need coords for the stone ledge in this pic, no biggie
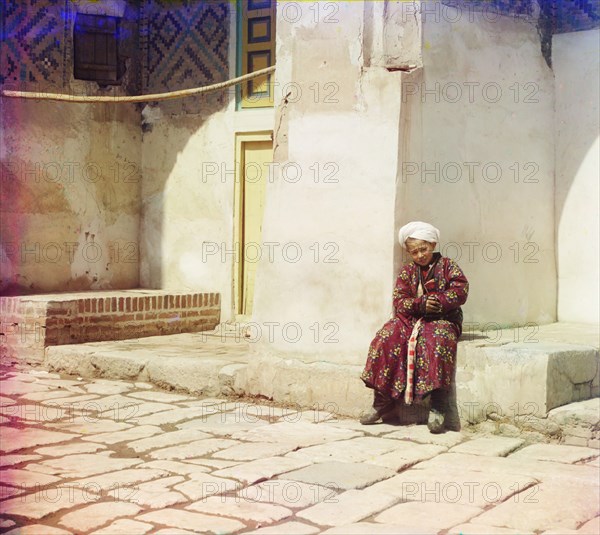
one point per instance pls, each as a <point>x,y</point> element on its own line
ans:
<point>527,371</point>
<point>33,322</point>
<point>510,387</point>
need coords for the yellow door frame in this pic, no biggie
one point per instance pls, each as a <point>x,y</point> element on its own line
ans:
<point>238,237</point>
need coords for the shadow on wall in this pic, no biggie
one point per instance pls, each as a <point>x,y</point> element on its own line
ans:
<point>187,46</point>
<point>174,198</point>
<point>70,181</point>
<point>74,188</point>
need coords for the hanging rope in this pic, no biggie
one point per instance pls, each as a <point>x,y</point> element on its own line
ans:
<point>139,98</point>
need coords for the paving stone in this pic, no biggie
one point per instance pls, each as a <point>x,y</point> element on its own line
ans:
<point>27,479</point>
<point>6,524</point>
<point>47,501</point>
<point>478,529</point>
<point>560,531</point>
<point>168,439</point>
<point>355,425</point>
<point>453,486</point>
<point>90,425</point>
<point>43,374</point>
<point>9,492</point>
<point>163,397</point>
<point>547,506</point>
<point>11,460</point>
<point>156,494</point>
<point>591,527</point>
<point>203,485</point>
<point>369,528</point>
<point>556,453</point>
<point>268,412</point>
<point>72,401</point>
<point>315,416</point>
<point>133,413</point>
<point>4,401</point>
<point>144,386</point>
<point>254,471</point>
<point>125,526</point>
<point>349,507</point>
<point>254,450</point>
<point>353,450</point>
<point>225,424</point>
<point>96,515</point>
<point>193,449</point>
<point>176,467</point>
<point>213,464</point>
<point>15,439</point>
<point>173,531</point>
<point>420,433</point>
<point>344,476</point>
<point>594,462</point>
<point>108,389</point>
<point>37,413</point>
<point>37,529</point>
<point>540,470</point>
<point>288,528</point>
<point>301,433</point>
<point>431,516</point>
<point>245,510</point>
<point>406,454</point>
<point>87,464</point>
<point>70,449</point>
<point>42,396</point>
<point>120,485</point>
<point>172,416</point>
<point>57,382</point>
<point>18,388</point>
<point>115,406</point>
<point>4,420</point>
<point>135,433</point>
<point>489,446</point>
<point>190,520</point>
<point>294,494</point>
<point>213,405</point>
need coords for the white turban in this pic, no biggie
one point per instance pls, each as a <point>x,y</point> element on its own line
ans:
<point>419,231</point>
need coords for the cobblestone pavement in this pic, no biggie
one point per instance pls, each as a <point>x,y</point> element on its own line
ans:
<point>114,457</point>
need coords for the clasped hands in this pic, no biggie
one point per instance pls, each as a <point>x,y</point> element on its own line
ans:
<point>433,305</point>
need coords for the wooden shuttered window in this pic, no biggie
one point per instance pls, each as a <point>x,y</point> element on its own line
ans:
<point>96,50</point>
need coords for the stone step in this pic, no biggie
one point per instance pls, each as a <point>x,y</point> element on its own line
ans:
<point>518,374</point>
<point>34,322</point>
<point>216,364</point>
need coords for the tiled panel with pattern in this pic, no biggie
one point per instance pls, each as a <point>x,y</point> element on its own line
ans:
<point>564,15</point>
<point>34,35</point>
<point>185,43</point>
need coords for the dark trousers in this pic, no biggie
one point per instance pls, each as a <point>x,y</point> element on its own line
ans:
<point>439,401</point>
<point>382,403</point>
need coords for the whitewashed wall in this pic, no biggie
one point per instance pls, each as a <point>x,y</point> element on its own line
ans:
<point>480,164</point>
<point>576,68</point>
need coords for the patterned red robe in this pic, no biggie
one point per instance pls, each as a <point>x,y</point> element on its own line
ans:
<point>385,370</point>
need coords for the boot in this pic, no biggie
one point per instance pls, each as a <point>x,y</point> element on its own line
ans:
<point>437,413</point>
<point>381,406</point>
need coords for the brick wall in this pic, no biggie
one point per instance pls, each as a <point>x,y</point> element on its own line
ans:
<point>29,324</point>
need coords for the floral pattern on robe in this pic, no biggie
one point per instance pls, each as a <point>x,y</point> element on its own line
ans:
<point>435,359</point>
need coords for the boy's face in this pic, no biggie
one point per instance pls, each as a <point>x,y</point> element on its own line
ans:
<point>420,251</point>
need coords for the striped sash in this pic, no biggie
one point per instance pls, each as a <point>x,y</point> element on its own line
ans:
<point>410,362</point>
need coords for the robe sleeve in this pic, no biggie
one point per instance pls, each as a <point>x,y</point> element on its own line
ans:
<point>404,299</point>
<point>457,290</point>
